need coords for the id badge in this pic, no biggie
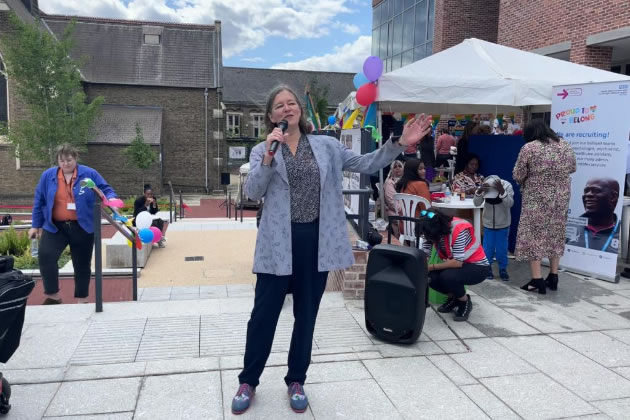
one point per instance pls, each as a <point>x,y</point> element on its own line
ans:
<point>72,206</point>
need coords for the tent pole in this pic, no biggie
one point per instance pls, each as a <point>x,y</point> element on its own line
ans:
<point>381,195</point>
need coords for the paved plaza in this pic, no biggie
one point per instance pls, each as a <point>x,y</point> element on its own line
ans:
<point>176,354</point>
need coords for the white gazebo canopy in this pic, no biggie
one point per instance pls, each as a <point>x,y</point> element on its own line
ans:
<point>481,77</point>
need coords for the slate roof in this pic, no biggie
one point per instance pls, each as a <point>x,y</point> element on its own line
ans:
<point>114,51</point>
<point>251,86</point>
<point>117,124</point>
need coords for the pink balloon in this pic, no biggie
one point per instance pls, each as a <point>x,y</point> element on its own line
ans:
<point>366,94</point>
<point>157,234</point>
<point>373,68</point>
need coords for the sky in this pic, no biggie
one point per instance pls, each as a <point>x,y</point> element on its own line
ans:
<point>325,35</point>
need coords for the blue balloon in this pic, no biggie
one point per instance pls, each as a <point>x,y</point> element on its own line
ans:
<point>331,120</point>
<point>146,236</point>
<point>359,80</point>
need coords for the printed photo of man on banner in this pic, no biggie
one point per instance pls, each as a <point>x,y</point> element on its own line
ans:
<point>592,118</point>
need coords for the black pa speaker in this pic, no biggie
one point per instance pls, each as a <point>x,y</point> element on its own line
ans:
<point>225,178</point>
<point>396,293</point>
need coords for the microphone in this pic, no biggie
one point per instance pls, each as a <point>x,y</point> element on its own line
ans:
<point>283,125</point>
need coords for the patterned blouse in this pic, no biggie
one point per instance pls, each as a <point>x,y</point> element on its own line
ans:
<point>463,182</point>
<point>304,181</point>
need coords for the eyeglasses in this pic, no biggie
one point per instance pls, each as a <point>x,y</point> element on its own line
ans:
<point>428,214</point>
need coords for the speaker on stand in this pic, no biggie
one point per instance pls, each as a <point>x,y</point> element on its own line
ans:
<point>225,181</point>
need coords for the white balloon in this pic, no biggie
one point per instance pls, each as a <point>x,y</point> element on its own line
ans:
<point>144,220</point>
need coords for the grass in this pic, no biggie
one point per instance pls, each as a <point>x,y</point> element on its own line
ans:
<point>18,245</point>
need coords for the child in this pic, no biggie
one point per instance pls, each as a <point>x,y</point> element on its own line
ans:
<point>498,195</point>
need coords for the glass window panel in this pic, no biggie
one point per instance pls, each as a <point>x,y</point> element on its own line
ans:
<point>419,53</point>
<point>407,57</point>
<point>398,7</point>
<point>388,65</point>
<point>429,48</point>
<point>383,42</point>
<point>390,39</point>
<point>398,33</point>
<point>408,20</point>
<point>431,20</point>
<point>376,17</point>
<point>421,22</point>
<point>409,3</point>
<point>396,62</point>
<point>384,11</point>
<point>375,41</point>
<point>390,11</point>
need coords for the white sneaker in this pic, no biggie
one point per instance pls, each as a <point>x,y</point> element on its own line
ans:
<point>162,243</point>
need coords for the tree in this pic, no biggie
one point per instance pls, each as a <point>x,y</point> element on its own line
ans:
<point>48,83</point>
<point>319,94</point>
<point>139,154</point>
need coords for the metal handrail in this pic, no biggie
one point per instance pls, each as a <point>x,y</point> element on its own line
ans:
<point>170,204</point>
<point>364,209</point>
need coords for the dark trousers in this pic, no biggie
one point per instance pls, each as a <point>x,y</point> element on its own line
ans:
<point>52,245</point>
<point>307,286</point>
<point>442,160</point>
<point>158,223</point>
<point>452,280</point>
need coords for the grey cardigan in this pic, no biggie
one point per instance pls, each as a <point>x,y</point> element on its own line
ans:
<point>273,243</point>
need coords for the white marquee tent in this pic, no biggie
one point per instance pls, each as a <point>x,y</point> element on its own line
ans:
<point>481,77</point>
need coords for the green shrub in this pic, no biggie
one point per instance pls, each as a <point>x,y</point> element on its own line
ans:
<point>14,243</point>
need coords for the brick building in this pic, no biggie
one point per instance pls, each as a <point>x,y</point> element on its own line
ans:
<point>150,73</point>
<point>594,33</point>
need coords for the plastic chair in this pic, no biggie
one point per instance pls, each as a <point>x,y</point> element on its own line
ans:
<point>409,203</point>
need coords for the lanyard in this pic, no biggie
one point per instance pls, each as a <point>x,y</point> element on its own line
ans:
<point>610,237</point>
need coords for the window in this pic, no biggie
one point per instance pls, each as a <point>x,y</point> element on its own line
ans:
<point>258,125</point>
<point>233,125</point>
<point>152,39</point>
<point>375,41</point>
<point>4,98</point>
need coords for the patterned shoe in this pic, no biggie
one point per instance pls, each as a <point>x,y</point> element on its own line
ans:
<point>448,306</point>
<point>298,398</point>
<point>242,399</point>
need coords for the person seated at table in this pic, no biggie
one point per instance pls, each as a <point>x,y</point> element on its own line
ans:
<point>394,175</point>
<point>464,260</point>
<point>469,180</point>
<point>413,181</point>
<point>147,202</point>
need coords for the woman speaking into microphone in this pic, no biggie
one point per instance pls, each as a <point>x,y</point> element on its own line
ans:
<point>302,234</point>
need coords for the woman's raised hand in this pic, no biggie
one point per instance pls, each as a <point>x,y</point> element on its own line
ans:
<point>415,129</point>
<point>275,135</point>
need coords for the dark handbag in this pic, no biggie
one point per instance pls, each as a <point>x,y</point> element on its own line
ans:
<point>373,237</point>
<point>6,263</point>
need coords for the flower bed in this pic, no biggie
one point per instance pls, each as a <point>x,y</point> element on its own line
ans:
<point>18,245</point>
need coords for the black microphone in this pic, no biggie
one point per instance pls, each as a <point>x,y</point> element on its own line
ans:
<point>283,125</point>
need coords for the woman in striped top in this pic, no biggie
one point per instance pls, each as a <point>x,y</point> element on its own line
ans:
<point>464,263</point>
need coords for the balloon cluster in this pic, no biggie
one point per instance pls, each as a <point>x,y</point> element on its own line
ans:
<point>366,82</point>
<point>147,233</point>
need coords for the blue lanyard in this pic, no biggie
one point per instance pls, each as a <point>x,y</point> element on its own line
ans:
<point>610,237</point>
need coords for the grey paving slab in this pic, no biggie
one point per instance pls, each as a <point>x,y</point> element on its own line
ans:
<point>172,366</point>
<point>95,397</point>
<point>223,334</point>
<point>617,409</point>
<point>521,393</point>
<point>34,376</point>
<point>240,290</point>
<point>621,335</point>
<point>592,315</point>
<point>153,291</point>
<point>170,338</point>
<point>154,298</point>
<point>234,305</point>
<point>613,302</point>
<point>589,380</point>
<point>185,297</point>
<point>51,314</point>
<point>343,357</point>
<point>182,396</point>
<point>602,348</point>
<point>127,310</point>
<point>623,371</point>
<point>60,340</point>
<point>419,390</point>
<point>335,350</point>
<point>488,402</point>
<point>369,355</point>
<point>336,372</point>
<point>489,358</point>
<point>114,341</point>
<point>114,370</point>
<point>332,300</point>
<point>341,400</point>
<point>452,346</point>
<point>437,330</point>
<point>452,370</point>
<point>336,327</point>
<point>214,291</point>
<point>493,321</point>
<point>271,401</point>
<point>30,401</point>
<point>185,290</point>
<point>545,318</point>
<point>109,416</point>
<point>231,362</point>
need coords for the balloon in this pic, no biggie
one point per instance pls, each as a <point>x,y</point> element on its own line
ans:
<point>365,95</point>
<point>144,220</point>
<point>331,120</point>
<point>146,235</point>
<point>373,68</point>
<point>359,80</point>
<point>116,202</point>
<point>157,234</point>
<point>129,244</point>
